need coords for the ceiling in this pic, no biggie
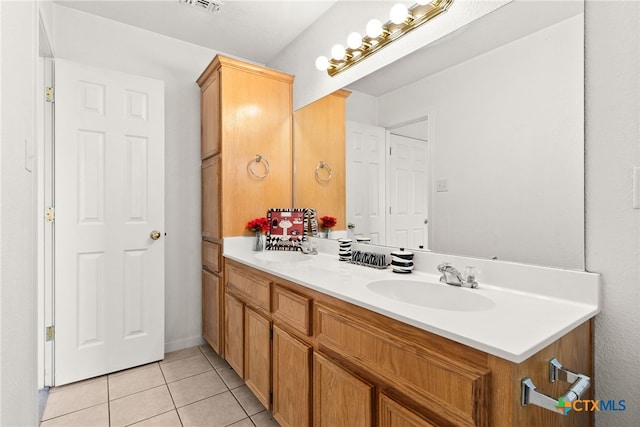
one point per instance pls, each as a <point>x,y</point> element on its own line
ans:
<point>254,30</point>
<point>259,30</point>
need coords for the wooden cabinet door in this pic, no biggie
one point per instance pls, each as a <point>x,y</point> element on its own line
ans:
<point>211,309</point>
<point>234,333</point>
<point>257,355</point>
<point>291,380</point>
<point>393,414</point>
<point>340,399</point>
<point>210,116</point>
<point>211,198</point>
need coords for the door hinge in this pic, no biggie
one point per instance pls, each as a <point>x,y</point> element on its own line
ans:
<point>51,214</point>
<point>50,333</point>
<point>389,150</point>
<point>49,95</point>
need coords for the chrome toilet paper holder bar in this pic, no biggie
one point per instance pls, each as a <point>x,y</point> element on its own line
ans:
<point>579,385</point>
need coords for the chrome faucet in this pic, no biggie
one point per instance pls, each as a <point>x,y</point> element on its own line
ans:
<point>451,276</point>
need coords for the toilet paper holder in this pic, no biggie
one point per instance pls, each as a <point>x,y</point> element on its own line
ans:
<point>579,385</point>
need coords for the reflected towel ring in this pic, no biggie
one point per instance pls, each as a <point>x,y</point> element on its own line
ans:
<point>258,159</point>
<point>323,165</point>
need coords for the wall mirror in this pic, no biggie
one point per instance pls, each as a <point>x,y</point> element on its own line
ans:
<point>474,145</point>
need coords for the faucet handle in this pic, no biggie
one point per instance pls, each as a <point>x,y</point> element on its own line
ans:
<point>443,266</point>
<point>469,275</point>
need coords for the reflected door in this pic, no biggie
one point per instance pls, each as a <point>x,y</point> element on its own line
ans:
<point>109,195</point>
<point>366,180</point>
<point>408,192</point>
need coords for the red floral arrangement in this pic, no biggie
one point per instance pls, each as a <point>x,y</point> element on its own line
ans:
<point>258,224</point>
<point>328,222</point>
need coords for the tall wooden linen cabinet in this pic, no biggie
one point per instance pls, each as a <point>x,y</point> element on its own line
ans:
<point>246,147</point>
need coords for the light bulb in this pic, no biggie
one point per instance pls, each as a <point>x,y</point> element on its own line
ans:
<point>337,52</point>
<point>374,28</point>
<point>322,63</point>
<point>398,13</point>
<point>354,40</point>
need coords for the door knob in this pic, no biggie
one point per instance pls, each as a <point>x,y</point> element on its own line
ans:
<point>155,234</point>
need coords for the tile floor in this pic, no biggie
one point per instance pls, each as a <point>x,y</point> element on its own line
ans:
<point>190,387</point>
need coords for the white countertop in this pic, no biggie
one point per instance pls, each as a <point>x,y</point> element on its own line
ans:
<point>519,324</point>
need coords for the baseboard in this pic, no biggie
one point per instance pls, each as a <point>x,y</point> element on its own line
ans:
<point>183,343</point>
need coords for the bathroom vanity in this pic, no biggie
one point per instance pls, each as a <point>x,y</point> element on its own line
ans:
<point>319,347</point>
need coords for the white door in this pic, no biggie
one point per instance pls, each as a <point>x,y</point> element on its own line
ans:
<point>408,192</point>
<point>109,196</point>
<point>366,180</point>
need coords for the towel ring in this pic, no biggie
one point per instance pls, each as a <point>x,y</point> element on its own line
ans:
<point>258,159</point>
<point>323,165</point>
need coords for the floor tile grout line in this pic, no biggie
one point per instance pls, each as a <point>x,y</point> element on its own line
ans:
<point>73,412</point>
<point>204,398</point>
<point>139,391</point>
<point>153,416</point>
<point>108,403</point>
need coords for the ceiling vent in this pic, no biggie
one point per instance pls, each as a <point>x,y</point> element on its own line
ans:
<point>211,6</point>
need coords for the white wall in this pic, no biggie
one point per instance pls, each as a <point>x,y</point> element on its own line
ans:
<point>362,108</point>
<point>18,290</point>
<point>105,43</point>
<point>613,229</point>
<point>298,58</point>
<point>507,135</point>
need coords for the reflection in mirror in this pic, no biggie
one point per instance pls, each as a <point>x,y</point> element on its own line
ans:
<point>474,144</point>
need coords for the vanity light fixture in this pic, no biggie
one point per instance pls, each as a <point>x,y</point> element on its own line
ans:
<point>402,19</point>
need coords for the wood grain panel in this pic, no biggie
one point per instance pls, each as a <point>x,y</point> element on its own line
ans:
<point>320,135</point>
<point>211,318</point>
<point>211,178</point>
<point>256,119</point>
<point>257,355</point>
<point>465,399</point>
<point>254,290</point>
<point>340,399</point>
<point>292,309</point>
<point>291,392</point>
<point>211,256</point>
<point>393,414</point>
<point>210,117</point>
<point>574,351</point>
<point>234,333</point>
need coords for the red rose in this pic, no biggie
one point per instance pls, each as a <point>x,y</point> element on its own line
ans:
<point>328,221</point>
<point>258,224</point>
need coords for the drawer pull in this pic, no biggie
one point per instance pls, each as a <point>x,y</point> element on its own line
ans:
<point>580,384</point>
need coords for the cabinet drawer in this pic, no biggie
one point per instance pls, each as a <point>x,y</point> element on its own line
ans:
<point>211,256</point>
<point>292,309</point>
<point>252,289</point>
<point>454,390</point>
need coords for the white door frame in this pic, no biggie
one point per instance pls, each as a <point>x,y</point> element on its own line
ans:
<point>45,228</point>
<point>429,117</point>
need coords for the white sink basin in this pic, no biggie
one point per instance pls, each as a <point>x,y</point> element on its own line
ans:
<point>282,256</point>
<point>433,295</point>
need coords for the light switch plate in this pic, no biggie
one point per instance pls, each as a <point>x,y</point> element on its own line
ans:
<point>442,185</point>
<point>636,187</point>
